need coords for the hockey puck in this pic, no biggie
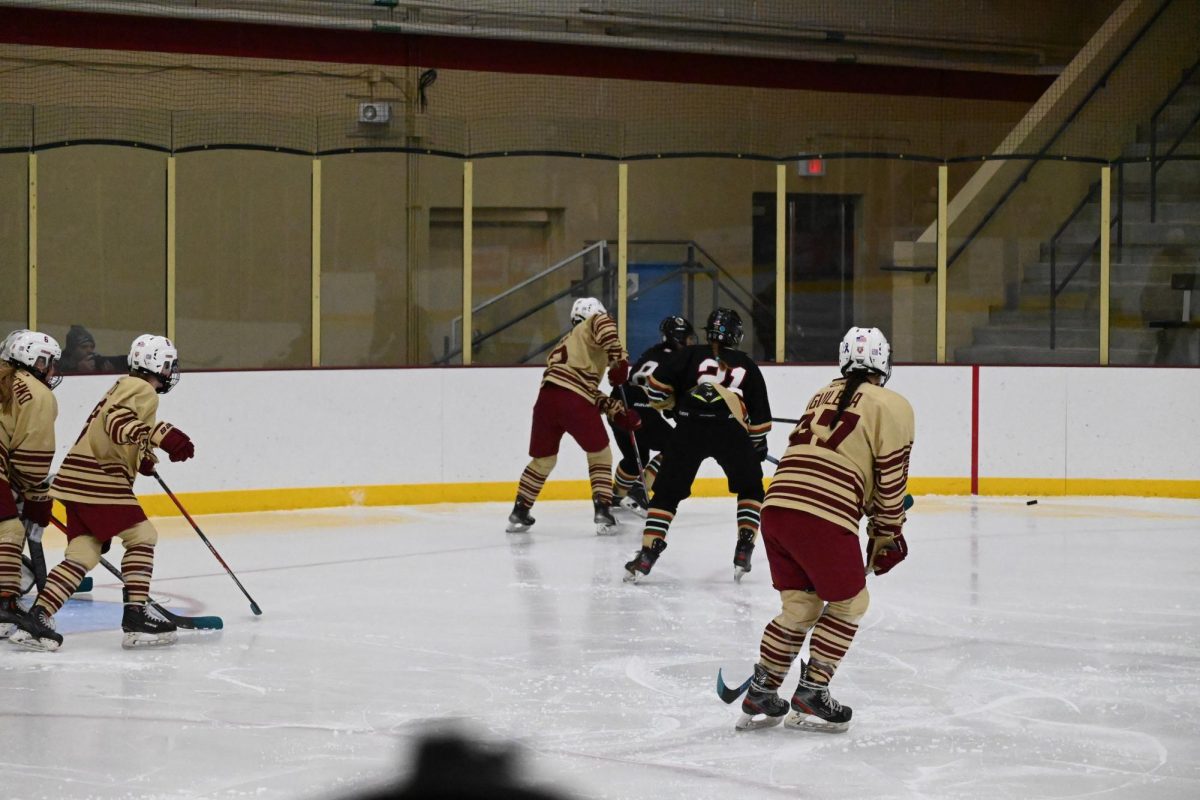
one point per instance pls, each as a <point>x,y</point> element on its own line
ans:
<point>1031,502</point>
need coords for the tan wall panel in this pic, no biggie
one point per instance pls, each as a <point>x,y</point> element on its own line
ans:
<point>244,259</point>
<point>14,271</point>
<point>364,244</point>
<point>101,244</point>
<point>530,213</point>
<point>434,283</point>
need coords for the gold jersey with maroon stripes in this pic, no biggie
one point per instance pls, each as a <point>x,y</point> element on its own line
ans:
<point>580,358</point>
<point>27,435</point>
<point>839,472</point>
<point>118,434</point>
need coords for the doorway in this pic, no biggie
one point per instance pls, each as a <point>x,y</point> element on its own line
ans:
<point>819,267</point>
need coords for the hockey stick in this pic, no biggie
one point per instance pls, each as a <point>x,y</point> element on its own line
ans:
<point>253,605</point>
<point>37,557</point>
<point>728,695</point>
<point>637,453</point>
<point>785,419</point>
<point>179,620</point>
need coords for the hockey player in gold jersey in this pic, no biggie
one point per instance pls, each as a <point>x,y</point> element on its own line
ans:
<point>28,374</point>
<point>848,457</point>
<point>570,401</point>
<point>95,483</point>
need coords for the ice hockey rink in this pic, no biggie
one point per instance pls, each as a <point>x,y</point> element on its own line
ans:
<point>1022,651</point>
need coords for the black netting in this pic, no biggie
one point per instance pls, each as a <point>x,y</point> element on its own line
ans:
<point>1114,68</point>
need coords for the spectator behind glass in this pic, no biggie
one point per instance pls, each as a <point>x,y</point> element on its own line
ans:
<point>80,356</point>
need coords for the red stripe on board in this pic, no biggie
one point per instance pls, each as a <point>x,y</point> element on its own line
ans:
<point>975,429</point>
<point>239,39</point>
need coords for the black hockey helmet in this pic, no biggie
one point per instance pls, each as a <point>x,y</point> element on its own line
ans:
<point>676,331</point>
<point>724,327</point>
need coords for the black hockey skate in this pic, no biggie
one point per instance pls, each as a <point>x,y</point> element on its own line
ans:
<point>742,553</point>
<point>643,562</point>
<point>519,520</point>
<point>636,500</point>
<point>606,525</point>
<point>35,631</point>
<point>145,627</point>
<point>762,707</point>
<point>10,614</point>
<point>814,710</point>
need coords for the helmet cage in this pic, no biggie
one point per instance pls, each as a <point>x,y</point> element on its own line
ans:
<point>155,357</point>
<point>36,353</point>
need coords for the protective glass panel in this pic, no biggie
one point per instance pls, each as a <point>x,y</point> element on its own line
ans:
<point>364,259</point>
<point>861,245</point>
<point>1156,255</point>
<point>14,258</point>
<point>244,263</point>
<point>1023,274</point>
<point>544,233</point>
<point>699,238</point>
<point>101,252</point>
<point>435,283</point>
<point>391,258</point>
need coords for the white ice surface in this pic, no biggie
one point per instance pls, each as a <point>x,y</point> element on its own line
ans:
<point>1046,651</point>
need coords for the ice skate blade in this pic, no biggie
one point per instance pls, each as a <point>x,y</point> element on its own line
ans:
<point>632,577</point>
<point>604,529</point>
<point>753,723</point>
<point>516,527</point>
<point>140,641</point>
<point>631,505</point>
<point>6,629</point>
<point>25,641</point>
<point>738,572</point>
<point>804,722</point>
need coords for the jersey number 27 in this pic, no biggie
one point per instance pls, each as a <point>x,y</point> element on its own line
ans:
<point>804,435</point>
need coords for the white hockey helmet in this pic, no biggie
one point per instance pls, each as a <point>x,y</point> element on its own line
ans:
<point>35,352</point>
<point>585,307</point>
<point>6,347</point>
<point>155,356</point>
<point>865,349</point>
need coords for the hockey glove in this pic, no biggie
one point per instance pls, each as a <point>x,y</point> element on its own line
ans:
<point>146,467</point>
<point>885,552</point>
<point>178,446</point>
<point>618,373</point>
<point>37,511</point>
<point>629,420</point>
<point>609,406</point>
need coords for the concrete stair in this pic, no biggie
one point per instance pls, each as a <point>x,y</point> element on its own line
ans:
<point>1141,268</point>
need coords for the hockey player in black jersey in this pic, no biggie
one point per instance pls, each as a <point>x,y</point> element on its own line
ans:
<point>630,491</point>
<point>722,412</point>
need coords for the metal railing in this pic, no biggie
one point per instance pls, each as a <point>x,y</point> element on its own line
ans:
<point>1155,162</point>
<point>454,342</point>
<point>696,262</point>
<point>1066,123</point>
<point>1055,288</point>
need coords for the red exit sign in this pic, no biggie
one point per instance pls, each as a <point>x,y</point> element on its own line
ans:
<point>811,166</point>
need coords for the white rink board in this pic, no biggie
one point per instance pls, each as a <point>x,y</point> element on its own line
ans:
<point>297,429</point>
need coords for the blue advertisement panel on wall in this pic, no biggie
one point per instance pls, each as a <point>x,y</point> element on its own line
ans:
<point>653,296</point>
